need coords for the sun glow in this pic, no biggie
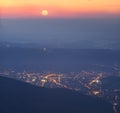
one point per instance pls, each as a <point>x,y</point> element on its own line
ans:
<point>44,12</point>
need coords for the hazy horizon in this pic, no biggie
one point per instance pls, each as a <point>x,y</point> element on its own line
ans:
<point>101,33</point>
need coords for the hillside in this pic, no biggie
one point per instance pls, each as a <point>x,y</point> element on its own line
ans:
<point>19,97</point>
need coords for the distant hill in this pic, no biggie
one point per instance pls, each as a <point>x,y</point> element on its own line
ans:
<point>57,60</point>
<point>19,97</point>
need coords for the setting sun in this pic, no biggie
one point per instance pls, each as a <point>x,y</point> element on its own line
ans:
<point>44,12</point>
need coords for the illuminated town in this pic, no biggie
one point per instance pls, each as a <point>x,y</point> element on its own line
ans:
<point>86,82</point>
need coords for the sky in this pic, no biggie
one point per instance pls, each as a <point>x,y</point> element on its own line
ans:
<point>67,24</point>
<point>61,8</point>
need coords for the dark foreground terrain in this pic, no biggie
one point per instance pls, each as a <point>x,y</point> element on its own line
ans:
<point>19,97</point>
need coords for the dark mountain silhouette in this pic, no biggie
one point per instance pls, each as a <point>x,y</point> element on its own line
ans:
<point>19,97</point>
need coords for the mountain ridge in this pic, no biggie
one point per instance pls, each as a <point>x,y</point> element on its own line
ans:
<point>20,97</point>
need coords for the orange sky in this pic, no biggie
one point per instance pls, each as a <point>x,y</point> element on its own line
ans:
<point>57,8</point>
